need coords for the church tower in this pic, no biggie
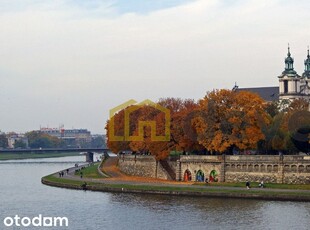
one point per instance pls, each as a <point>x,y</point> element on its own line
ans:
<point>306,74</point>
<point>289,80</point>
<point>305,87</point>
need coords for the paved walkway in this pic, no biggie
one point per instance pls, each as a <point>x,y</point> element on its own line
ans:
<point>116,177</point>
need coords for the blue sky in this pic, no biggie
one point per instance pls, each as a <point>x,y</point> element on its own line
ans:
<point>69,62</point>
<point>130,6</point>
<point>146,6</point>
<point>121,6</point>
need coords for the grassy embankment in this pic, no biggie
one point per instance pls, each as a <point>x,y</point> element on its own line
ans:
<point>18,156</point>
<point>215,188</point>
<point>90,172</point>
<point>202,189</point>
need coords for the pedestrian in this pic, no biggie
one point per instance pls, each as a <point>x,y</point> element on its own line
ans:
<point>84,186</point>
<point>261,185</point>
<point>67,171</point>
<point>247,184</point>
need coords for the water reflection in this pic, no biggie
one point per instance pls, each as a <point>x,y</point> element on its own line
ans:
<point>22,193</point>
<point>215,213</point>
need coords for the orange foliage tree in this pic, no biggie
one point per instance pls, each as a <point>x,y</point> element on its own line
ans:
<point>118,126</point>
<point>147,145</point>
<point>183,133</point>
<point>231,120</point>
<point>160,149</point>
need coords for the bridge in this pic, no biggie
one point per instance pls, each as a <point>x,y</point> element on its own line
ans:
<point>88,152</point>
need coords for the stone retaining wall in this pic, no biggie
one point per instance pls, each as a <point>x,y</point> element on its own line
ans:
<point>144,166</point>
<point>274,169</point>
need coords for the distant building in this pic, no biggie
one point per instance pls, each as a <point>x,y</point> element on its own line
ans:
<point>72,137</point>
<point>291,85</point>
<point>14,138</point>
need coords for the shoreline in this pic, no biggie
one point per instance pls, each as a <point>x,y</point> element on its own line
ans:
<point>24,156</point>
<point>175,190</point>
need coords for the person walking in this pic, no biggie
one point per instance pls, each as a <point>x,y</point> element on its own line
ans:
<point>247,184</point>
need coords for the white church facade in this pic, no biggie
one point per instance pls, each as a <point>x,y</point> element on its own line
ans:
<point>291,85</point>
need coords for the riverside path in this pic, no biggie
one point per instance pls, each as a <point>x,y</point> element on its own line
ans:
<point>114,176</point>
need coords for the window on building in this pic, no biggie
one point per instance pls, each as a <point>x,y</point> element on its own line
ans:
<point>285,86</point>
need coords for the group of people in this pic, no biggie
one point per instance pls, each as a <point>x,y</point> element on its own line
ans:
<point>62,173</point>
<point>79,170</point>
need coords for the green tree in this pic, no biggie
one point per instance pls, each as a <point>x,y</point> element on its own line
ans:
<point>288,131</point>
<point>38,139</point>
<point>301,139</point>
<point>273,108</point>
<point>3,141</point>
<point>20,144</point>
<point>98,142</point>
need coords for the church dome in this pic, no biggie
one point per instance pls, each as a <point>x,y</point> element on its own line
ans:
<point>289,65</point>
<point>289,59</point>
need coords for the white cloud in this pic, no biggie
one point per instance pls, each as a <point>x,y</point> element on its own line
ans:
<point>62,64</point>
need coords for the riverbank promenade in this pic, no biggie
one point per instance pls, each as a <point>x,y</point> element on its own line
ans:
<point>112,180</point>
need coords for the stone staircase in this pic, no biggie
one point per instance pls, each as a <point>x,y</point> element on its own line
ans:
<point>178,171</point>
<point>165,165</point>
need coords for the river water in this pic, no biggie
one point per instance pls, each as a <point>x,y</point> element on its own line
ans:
<point>23,194</point>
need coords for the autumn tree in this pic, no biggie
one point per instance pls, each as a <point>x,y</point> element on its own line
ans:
<point>118,130</point>
<point>147,145</point>
<point>138,119</point>
<point>178,139</point>
<point>231,120</point>
<point>183,133</point>
<point>39,139</point>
